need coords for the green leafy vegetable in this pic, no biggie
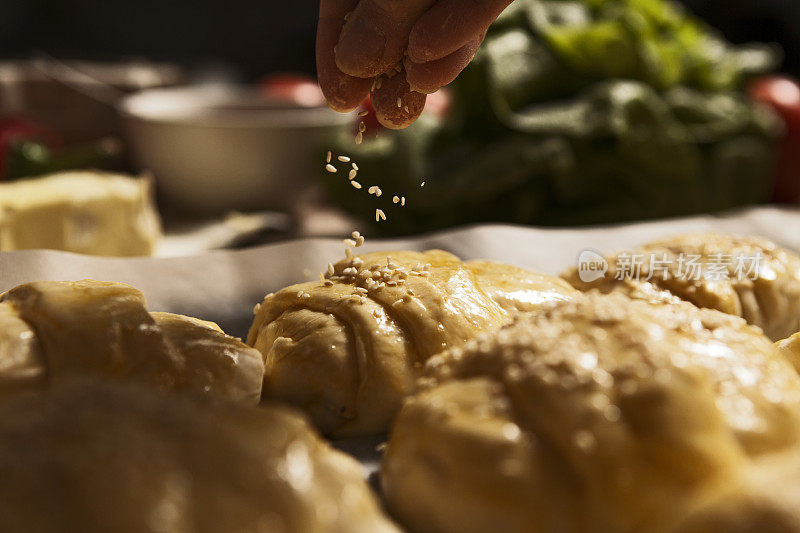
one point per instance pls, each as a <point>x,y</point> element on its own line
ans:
<point>579,112</point>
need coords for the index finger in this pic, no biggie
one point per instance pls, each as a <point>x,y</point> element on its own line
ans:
<point>449,25</point>
<point>342,92</point>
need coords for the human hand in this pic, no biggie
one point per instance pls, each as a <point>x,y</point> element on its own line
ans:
<point>397,50</point>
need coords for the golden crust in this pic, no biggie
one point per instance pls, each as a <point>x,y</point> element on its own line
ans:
<point>347,350</point>
<point>597,414</point>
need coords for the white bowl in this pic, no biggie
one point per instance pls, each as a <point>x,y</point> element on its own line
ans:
<point>213,149</point>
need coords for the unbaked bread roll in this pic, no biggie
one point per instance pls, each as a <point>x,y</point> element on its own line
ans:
<point>790,348</point>
<point>346,350</point>
<point>597,414</point>
<point>52,331</point>
<point>97,458</point>
<point>768,296</point>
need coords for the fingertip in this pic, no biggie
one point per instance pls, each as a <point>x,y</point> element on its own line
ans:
<point>396,105</point>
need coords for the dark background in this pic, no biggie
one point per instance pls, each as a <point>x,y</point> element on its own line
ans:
<point>256,37</point>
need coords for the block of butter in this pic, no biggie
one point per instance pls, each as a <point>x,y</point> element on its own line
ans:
<point>86,212</point>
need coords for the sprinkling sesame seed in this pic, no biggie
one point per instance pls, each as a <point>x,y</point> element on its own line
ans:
<point>359,137</point>
<point>328,157</point>
<point>399,102</point>
<point>355,234</point>
<point>349,242</point>
<point>405,108</point>
<point>330,168</point>
<point>422,184</point>
<point>359,241</point>
<point>362,127</point>
<point>378,192</point>
<point>403,200</point>
<point>343,159</point>
<point>331,270</point>
<point>372,189</point>
<point>355,184</point>
<point>395,199</point>
<point>374,83</point>
<point>355,167</point>
<point>365,112</point>
<point>352,174</point>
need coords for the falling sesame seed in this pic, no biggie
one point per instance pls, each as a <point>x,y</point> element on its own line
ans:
<point>372,189</point>
<point>405,108</point>
<point>422,184</point>
<point>359,241</point>
<point>378,192</point>
<point>331,270</point>
<point>330,168</point>
<point>256,308</point>
<point>359,137</point>
<point>395,199</point>
<point>399,102</point>
<point>355,167</point>
<point>355,234</point>
<point>362,127</point>
<point>328,157</point>
<point>355,184</point>
<point>365,112</point>
<point>351,175</point>
<point>403,200</point>
<point>343,159</point>
<point>349,242</point>
<point>379,215</point>
<point>374,83</point>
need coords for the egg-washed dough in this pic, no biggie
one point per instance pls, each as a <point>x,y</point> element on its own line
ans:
<point>770,301</point>
<point>80,211</point>
<point>97,458</point>
<point>600,414</point>
<point>348,358</point>
<point>790,348</point>
<point>51,331</point>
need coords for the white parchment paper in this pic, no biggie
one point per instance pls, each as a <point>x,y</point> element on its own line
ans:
<point>224,285</point>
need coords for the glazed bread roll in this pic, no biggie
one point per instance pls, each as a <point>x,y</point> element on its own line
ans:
<point>52,331</point>
<point>346,350</point>
<point>97,458</point>
<point>768,296</point>
<point>790,348</point>
<point>600,413</point>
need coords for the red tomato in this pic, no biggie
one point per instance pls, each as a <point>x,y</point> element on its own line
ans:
<point>782,94</point>
<point>15,130</point>
<point>295,88</point>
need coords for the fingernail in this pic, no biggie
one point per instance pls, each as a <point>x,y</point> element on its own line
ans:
<point>360,48</point>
